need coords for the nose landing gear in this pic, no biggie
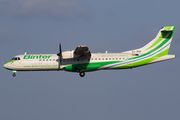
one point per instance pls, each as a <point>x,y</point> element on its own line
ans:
<point>14,74</point>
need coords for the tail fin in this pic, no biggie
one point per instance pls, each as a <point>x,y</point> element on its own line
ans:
<point>163,38</point>
<point>160,43</point>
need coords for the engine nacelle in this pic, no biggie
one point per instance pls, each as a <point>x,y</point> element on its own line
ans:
<point>68,54</point>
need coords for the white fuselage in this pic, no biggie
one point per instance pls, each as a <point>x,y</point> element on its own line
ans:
<point>51,61</point>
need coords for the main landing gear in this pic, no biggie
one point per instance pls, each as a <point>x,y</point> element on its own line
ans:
<point>82,74</point>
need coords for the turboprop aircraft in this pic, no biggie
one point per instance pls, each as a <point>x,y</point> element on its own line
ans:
<point>81,60</point>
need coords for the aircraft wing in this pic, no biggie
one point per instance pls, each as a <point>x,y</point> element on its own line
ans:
<point>82,51</point>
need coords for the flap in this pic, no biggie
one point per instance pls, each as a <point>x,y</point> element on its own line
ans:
<point>82,51</point>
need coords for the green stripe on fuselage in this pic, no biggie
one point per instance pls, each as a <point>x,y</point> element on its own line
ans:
<point>94,66</point>
<point>88,66</point>
<point>146,61</point>
<point>10,61</point>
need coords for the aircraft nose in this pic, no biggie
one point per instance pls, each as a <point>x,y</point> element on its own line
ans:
<point>5,66</point>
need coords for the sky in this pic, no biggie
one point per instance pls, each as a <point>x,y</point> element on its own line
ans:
<point>38,26</point>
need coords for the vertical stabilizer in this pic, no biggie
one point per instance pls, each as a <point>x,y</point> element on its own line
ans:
<point>163,39</point>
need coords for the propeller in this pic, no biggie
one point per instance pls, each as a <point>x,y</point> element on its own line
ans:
<point>60,56</point>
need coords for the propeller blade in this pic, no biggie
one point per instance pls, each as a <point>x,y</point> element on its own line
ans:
<point>60,56</point>
<point>60,51</point>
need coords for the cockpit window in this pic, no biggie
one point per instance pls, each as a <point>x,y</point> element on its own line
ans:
<point>15,58</point>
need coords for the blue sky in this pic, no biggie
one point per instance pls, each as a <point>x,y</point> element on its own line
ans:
<point>37,26</point>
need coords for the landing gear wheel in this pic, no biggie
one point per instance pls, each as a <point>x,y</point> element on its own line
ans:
<point>82,74</point>
<point>14,74</point>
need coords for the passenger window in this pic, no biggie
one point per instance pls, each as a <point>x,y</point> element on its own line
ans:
<point>46,59</point>
<point>120,58</point>
<point>102,58</point>
<point>106,58</point>
<point>99,58</point>
<point>109,58</point>
<point>116,58</point>
<point>43,59</point>
<point>95,58</point>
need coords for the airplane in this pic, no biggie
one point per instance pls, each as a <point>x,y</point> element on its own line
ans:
<point>81,60</point>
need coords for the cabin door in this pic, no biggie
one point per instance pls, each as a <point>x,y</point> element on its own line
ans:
<point>130,62</point>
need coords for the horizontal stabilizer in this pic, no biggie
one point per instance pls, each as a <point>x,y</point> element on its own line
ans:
<point>166,57</point>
